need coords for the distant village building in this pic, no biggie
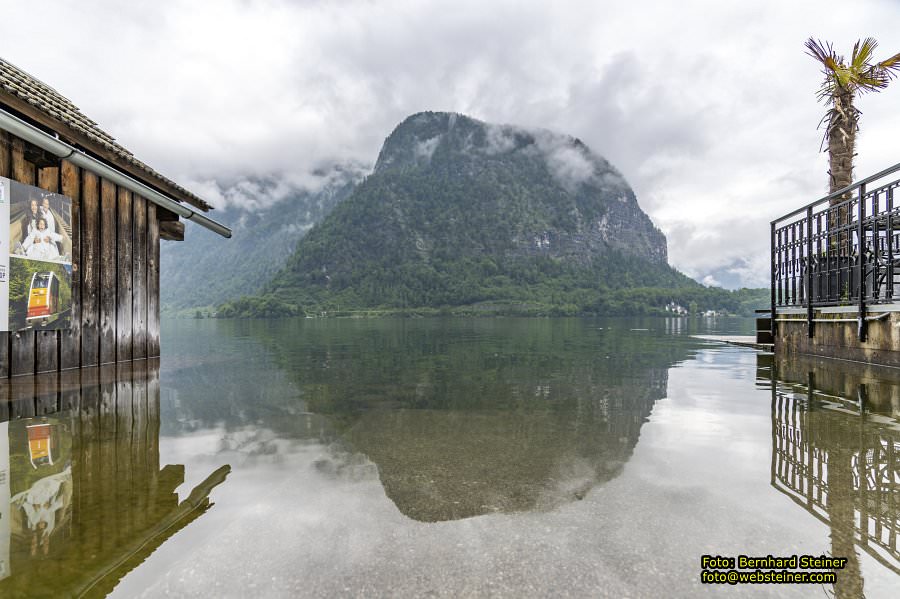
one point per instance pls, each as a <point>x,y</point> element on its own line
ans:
<point>111,210</point>
<point>676,308</point>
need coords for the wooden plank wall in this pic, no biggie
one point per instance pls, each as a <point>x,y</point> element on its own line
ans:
<point>5,161</point>
<point>70,339</point>
<point>21,352</point>
<point>115,286</point>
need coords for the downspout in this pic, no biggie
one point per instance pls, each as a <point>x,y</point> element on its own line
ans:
<point>58,148</point>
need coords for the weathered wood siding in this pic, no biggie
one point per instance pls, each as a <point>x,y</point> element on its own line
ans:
<point>124,323</point>
<point>5,161</point>
<point>70,339</point>
<point>115,271</point>
<point>108,282</point>
<point>21,353</point>
<point>139,291</point>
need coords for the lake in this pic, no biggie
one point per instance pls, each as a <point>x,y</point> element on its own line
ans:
<point>448,457</point>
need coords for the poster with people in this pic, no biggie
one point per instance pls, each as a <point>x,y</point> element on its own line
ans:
<point>35,258</point>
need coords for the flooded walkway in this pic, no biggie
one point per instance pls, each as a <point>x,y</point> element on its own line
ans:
<point>483,458</point>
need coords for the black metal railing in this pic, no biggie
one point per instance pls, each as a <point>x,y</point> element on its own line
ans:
<point>825,465</point>
<point>841,250</point>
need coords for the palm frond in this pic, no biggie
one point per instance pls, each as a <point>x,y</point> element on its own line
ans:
<point>825,92</point>
<point>862,53</point>
<point>843,76</point>
<point>872,79</point>
<point>891,66</point>
<point>821,51</point>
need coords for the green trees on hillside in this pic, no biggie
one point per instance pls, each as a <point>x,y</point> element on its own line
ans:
<point>265,306</point>
<point>472,224</point>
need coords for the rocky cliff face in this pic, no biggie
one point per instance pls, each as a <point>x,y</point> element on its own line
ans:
<point>459,212</point>
<point>589,205</point>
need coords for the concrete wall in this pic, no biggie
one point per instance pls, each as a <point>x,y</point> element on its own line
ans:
<point>838,339</point>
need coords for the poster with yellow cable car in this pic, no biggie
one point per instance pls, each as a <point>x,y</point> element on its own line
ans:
<point>35,258</point>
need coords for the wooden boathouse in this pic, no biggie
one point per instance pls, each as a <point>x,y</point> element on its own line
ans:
<point>120,209</point>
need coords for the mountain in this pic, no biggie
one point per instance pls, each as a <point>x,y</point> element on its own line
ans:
<point>567,202</point>
<point>267,217</point>
<point>459,212</point>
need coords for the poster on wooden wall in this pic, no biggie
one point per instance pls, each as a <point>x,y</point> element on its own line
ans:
<point>35,258</point>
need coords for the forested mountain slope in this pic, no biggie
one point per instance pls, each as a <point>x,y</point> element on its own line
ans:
<point>206,269</point>
<point>460,212</point>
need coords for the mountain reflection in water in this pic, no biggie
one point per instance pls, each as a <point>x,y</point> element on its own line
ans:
<point>836,453</point>
<point>460,418</point>
<point>83,499</point>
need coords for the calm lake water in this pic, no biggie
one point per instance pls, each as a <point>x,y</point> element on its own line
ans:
<point>473,457</point>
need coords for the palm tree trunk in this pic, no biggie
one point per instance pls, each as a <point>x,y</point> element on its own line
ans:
<point>842,126</point>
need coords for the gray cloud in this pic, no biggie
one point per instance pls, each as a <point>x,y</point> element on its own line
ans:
<point>255,193</point>
<point>570,165</point>
<point>706,108</point>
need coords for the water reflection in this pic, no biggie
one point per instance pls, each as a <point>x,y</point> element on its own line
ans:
<point>461,418</point>
<point>836,453</point>
<point>83,499</point>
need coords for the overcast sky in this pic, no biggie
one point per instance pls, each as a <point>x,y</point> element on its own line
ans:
<point>707,108</point>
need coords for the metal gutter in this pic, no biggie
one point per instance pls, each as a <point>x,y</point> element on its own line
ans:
<point>32,134</point>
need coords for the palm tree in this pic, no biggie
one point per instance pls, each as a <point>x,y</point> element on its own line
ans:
<point>842,82</point>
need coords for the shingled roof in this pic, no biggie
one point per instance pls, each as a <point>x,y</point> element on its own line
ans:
<point>40,102</point>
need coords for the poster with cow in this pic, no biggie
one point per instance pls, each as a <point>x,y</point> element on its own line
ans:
<point>35,258</point>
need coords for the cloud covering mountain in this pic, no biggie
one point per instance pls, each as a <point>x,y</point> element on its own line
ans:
<point>708,108</point>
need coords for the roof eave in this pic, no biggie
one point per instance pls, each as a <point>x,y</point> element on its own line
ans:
<point>74,137</point>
